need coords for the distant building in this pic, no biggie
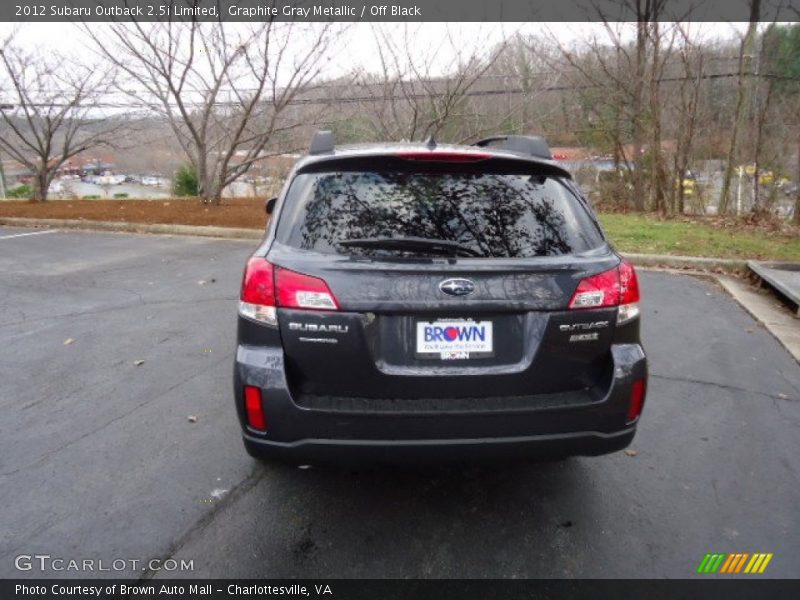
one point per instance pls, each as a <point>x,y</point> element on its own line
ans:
<point>92,166</point>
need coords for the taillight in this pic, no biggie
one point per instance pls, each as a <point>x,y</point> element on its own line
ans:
<point>296,290</point>
<point>265,287</point>
<point>628,283</point>
<point>257,300</point>
<point>597,291</point>
<point>258,286</point>
<point>616,287</point>
<point>254,409</point>
<point>629,293</point>
<point>638,391</point>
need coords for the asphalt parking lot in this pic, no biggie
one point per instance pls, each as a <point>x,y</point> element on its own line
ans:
<point>99,459</point>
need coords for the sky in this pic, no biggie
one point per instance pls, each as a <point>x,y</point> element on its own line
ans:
<point>357,47</point>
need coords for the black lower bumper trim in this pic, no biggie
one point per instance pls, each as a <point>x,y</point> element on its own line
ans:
<point>589,443</point>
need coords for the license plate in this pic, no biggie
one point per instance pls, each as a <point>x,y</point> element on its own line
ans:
<point>455,339</point>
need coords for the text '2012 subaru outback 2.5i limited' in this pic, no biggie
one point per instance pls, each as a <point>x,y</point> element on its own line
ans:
<point>421,301</point>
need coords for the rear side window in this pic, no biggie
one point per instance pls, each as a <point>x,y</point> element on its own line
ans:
<point>490,215</point>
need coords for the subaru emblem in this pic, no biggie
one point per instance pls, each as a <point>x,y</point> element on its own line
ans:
<point>457,287</point>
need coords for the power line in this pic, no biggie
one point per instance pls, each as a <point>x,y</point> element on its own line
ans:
<point>157,107</point>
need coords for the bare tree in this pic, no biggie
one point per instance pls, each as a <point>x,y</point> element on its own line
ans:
<point>744,85</point>
<point>523,64</point>
<point>50,113</point>
<point>417,94</point>
<point>629,74</point>
<point>611,83</point>
<point>692,63</point>
<point>223,88</point>
<point>763,101</point>
<point>778,115</point>
<point>661,43</point>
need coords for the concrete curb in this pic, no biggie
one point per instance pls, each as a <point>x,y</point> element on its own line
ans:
<point>764,309</point>
<point>694,263</point>
<point>204,231</point>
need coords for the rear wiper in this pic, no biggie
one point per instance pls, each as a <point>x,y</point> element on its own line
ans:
<point>410,243</point>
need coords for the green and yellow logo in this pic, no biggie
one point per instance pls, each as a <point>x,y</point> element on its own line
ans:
<point>734,563</point>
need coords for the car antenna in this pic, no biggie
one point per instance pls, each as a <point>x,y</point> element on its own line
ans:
<point>430,142</point>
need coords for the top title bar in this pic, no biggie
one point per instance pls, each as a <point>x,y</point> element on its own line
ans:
<point>392,10</point>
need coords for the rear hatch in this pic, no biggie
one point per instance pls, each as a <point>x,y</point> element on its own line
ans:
<point>451,279</point>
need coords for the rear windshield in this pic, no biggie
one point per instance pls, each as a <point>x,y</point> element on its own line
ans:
<point>488,215</point>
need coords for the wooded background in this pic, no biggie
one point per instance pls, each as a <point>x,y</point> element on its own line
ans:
<point>651,115</point>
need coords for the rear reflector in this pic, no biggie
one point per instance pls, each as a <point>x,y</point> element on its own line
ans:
<point>433,156</point>
<point>253,408</point>
<point>638,391</point>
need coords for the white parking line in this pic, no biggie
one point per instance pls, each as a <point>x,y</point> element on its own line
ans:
<point>16,235</point>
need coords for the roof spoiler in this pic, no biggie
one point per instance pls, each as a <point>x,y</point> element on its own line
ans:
<point>530,145</point>
<point>323,142</point>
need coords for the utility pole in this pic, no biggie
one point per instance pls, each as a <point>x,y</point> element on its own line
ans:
<point>740,171</point>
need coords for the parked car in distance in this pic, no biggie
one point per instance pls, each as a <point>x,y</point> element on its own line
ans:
<point>431,302</point>
<point>153,180</point>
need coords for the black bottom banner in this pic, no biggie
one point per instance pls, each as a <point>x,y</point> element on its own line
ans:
<point>391,589</point>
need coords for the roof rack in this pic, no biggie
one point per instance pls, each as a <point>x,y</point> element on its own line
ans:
<point>532,145</point>
<point>323,142</point>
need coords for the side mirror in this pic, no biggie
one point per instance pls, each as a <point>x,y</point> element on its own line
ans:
<point>270,205</point>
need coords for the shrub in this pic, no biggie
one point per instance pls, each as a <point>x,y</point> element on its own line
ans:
<point>185,181</point>
<point>121,195</point>
<point>91,197</point>
<point>24,192</point>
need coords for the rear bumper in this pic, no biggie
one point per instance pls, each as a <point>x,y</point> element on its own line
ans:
<point>590,443</point>
<point>300,434</point>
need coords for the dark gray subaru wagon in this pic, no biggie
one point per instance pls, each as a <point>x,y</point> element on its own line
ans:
<point>423,301</point>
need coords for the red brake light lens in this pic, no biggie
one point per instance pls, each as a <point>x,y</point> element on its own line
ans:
<point>615,287</point>
<point>433,156</point>
<point>597,291</point>
<point>638,391</point>
<point>258,285</point>
<point>253,408</point>
<point>296,290</point>
<point>628,283</point>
